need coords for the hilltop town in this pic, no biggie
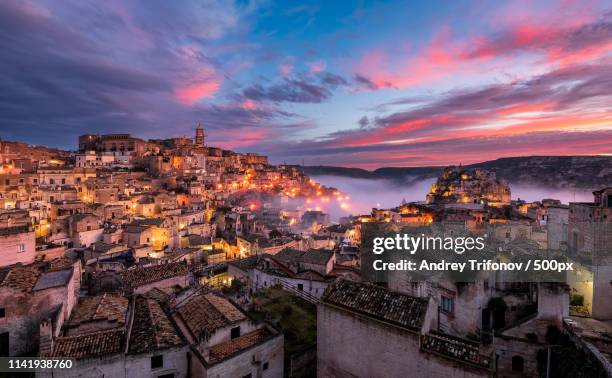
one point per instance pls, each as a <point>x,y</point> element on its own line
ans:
<point>170,257</point>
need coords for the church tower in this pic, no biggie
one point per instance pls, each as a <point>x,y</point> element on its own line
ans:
<point>199,136</point>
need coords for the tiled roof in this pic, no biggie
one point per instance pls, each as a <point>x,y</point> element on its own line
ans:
<point>310,275</point>
<point>15,230</point>
<point>317,256</point>
<point>227,349</point>
<point>246,263</point>
<point>289,255</point>
<point>313,256</point>
<point>90,345</point>
<point>231,313</point>
<point>151,328</point>
<point>204,314</point>
<point>148,222</point>
<point>102,247</point>
<point>21,277</point>
<point>27,277</point>
<point>378,302</point>
<point>60,264</point>
<point>135,229</point>
<point>142,276</point>
<point>455,348</point>
<point>195,239</point>
<point>157,294</point>
<point>109,307</point>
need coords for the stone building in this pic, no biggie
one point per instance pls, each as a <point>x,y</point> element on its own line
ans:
<point>113,143</point>
<point>109,339</point>
<point>476,186</point>
<point>17,245</point>
<point>228,342</point>
<point>84,229</point>
<point>517,346</point>
<point>590,241</point>
<point>30,294</point>
<point>164,276</point>
<point>367,330</point>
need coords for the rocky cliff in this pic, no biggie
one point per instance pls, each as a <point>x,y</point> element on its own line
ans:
<point>589,172</point>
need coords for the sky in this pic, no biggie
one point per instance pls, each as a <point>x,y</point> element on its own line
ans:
<point>346,83</point>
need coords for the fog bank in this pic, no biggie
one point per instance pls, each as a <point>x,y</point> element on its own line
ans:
<point>368,193</point>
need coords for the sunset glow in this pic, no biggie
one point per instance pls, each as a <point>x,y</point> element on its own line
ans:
<point>431,85</point>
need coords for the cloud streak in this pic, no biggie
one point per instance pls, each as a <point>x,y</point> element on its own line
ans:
<point>315,83</point>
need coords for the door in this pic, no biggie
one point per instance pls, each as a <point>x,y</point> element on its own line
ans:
<point>4,344</point>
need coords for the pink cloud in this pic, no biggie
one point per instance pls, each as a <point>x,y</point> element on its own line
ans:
<point>562,39</point>
<point>249,104</point>
<point>285,69</point>
<point>317,67</point>
<point>235,139</point>
<point>193,93</point>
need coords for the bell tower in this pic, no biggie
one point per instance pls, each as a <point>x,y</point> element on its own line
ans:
<point>199,136</point>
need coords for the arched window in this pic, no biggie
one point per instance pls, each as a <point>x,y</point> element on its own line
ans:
<point>517,363</point>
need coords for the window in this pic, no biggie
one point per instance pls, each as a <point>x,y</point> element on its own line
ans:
<point>235,332</point>
<point>300,287</point>
<point>2,313</point>
<point>63,181</point>
<point>265,366</point>
<point>52,181</point>
<point>21,248</point>
<point>157,362</point>
<point>448,305</point>
<point>517,363</point>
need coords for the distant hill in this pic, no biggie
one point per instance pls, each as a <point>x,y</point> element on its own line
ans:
<point>323,170</point>
<point>552,171</point>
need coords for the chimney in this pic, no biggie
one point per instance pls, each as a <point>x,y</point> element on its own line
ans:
<point>553,301</point>
<point>46,338</point>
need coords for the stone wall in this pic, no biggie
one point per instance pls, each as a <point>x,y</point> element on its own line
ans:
<point>9,248</point>
<point>352,346</point>
<point>252,360</point>
<point>25,310</point>
<point>175,361</point>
